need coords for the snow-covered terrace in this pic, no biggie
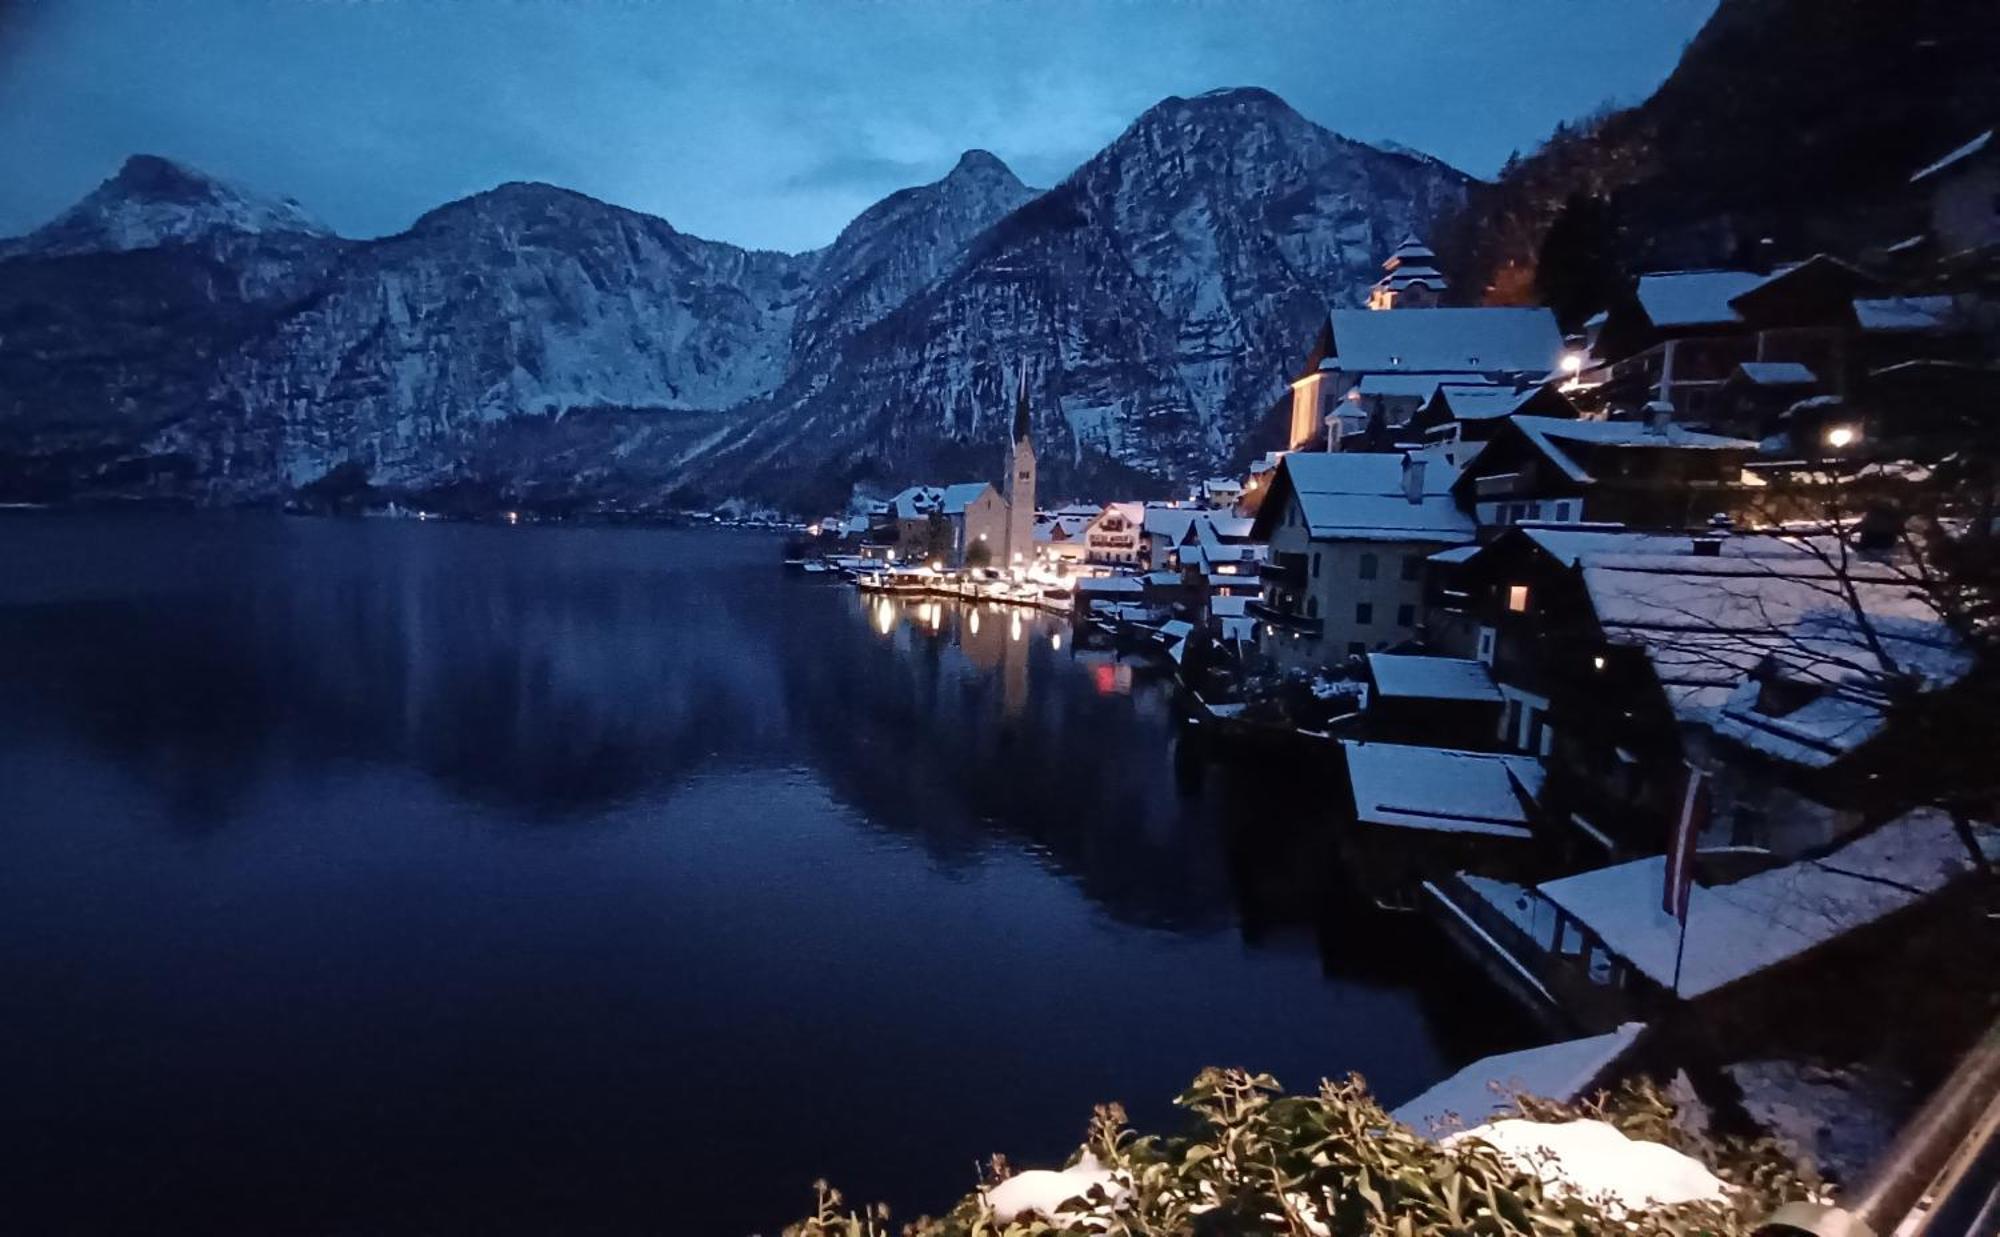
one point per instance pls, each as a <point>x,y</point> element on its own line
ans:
<point>1442,789</point>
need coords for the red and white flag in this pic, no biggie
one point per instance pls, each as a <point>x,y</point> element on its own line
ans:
<point>1688,825</point>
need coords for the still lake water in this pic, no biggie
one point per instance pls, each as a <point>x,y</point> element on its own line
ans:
<point>374,877</point>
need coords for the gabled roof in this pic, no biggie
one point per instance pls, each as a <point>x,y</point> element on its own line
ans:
<point>1169,522</point>
<point>1358,496</point>
<point>1694,298</point>
<point>1423,386</point>
<point>1971,148</point>
<point>1734,931</point>
<point>1442,789</point>
<point>1483,401</point>
<point>1551,434</point>
<point>957,498</point>
<point>1449,341</point>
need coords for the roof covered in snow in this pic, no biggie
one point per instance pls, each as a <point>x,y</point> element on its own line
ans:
<point>1903,313</point>
<point>1447,341</point>
<point>1419,385</point>
<point>1734,931</point>
<point>1360,496</point>
<point>1561,1072</point>
<point>1551,434</point>
<point>1484,401</point>
<point>1694,298</point>
<point>1169,522</point>
<point>1778,373</point>
<point>1442,789</point>
<point>1978,144</point>
<point>962,495</point>
<point>1431,678</point>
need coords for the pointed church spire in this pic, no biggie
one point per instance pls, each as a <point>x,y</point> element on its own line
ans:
<point>1021,426</point>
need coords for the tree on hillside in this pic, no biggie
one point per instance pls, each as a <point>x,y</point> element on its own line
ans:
<point>1577,271</point>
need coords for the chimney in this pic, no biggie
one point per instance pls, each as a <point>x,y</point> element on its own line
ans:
<point>1659,415</point>
<point>1413,479</point>
<point>1708,547</point>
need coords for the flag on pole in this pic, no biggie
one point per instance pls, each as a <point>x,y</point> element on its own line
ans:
<point>1693,818</point>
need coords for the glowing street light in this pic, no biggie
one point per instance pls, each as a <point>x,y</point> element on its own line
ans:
<point>1572,363</point>
<point>1842,436</point>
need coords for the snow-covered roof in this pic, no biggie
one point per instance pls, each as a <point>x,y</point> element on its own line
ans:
<point>1418,385</point>
<point>1734,931</point>
<point>1457,554</point>
<point>1960,155</point>
<point>1484,401</point>
<point>1903,313</point>
<point>1707,624</point>
<point>1778,373</point>
<point>1549,433</point>
<point>1169,522</point>
<point>1359,496</point>
<point>1694,298</point>
<point>1111,584</point>
<point>958,497</point>
<point>1431,678</point>
<point>1442,789</point>
<point>1448,341</point>
<point>1559,1072</point>
<point>1226,606</point>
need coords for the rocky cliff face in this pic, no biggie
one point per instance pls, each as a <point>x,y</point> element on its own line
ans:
<point>221,345</point>
<point>1158,297</point>
<point>523,301</point>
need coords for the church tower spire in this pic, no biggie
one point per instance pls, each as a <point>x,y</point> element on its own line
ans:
<point>1020,542</point>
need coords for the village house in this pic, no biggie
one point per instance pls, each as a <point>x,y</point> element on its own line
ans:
<point>1115,537</point>
<point>1620,656</point>
<point>1369,372</point>
<point>1059,537</point>
<point>1348,535</point>
<point>1652,475</point>
<point>1471,412</point>
<point>1963,189</point>
<point>1164,526</point>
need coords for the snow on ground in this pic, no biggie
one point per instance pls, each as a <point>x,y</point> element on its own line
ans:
<point>1559,1072</point>
<point>1597,1161</point>
<point>1045,1192</point>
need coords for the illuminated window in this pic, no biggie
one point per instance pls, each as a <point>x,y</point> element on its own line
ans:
<point>1517,598</point>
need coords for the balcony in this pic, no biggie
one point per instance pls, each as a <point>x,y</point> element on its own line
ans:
<point>1289,572</point>
<point>1285,620</point>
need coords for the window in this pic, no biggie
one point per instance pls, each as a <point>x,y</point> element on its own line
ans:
<point>1562,513</point>
<point>1486,645</point>
<point>1312,607</point>
<point>1406,616</point>
<point>1364,613</point>
<point>1368,566</point>
<point>1355,648</point>
<point>1413,566</point>
<point>1517,598</point>
<point>1315,564</point>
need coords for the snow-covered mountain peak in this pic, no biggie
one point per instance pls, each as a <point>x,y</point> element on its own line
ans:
<point>154,201</point>
<point>982,165</point>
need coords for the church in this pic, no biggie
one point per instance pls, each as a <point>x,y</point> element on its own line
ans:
<point>1019,544</point>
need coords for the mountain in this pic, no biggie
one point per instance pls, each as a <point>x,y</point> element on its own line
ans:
<point>154,201</point>
<point>899,246</point>
<point>173,335</point>
<point>526,300</point>
<point>1793,121</point>
<point>1158,297</point>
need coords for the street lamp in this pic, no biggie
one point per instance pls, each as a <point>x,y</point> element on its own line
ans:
<point>1842,436</point>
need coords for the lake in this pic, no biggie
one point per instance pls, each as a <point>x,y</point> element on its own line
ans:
<point>383,877</point>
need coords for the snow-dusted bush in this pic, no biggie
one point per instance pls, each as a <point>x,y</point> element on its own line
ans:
<point>1335,1164</point>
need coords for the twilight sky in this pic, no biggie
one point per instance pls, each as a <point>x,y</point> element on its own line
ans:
<point>763,122</point>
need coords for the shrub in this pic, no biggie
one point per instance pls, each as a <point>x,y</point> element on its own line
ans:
<point>1335,1164</point>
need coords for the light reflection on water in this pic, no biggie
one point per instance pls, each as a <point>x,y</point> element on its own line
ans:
<point>427,878</point>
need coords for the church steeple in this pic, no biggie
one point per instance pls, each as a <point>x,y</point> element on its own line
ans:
<point>1020,543</point>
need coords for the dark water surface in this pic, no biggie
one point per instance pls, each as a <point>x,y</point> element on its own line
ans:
<point>391,878</point>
